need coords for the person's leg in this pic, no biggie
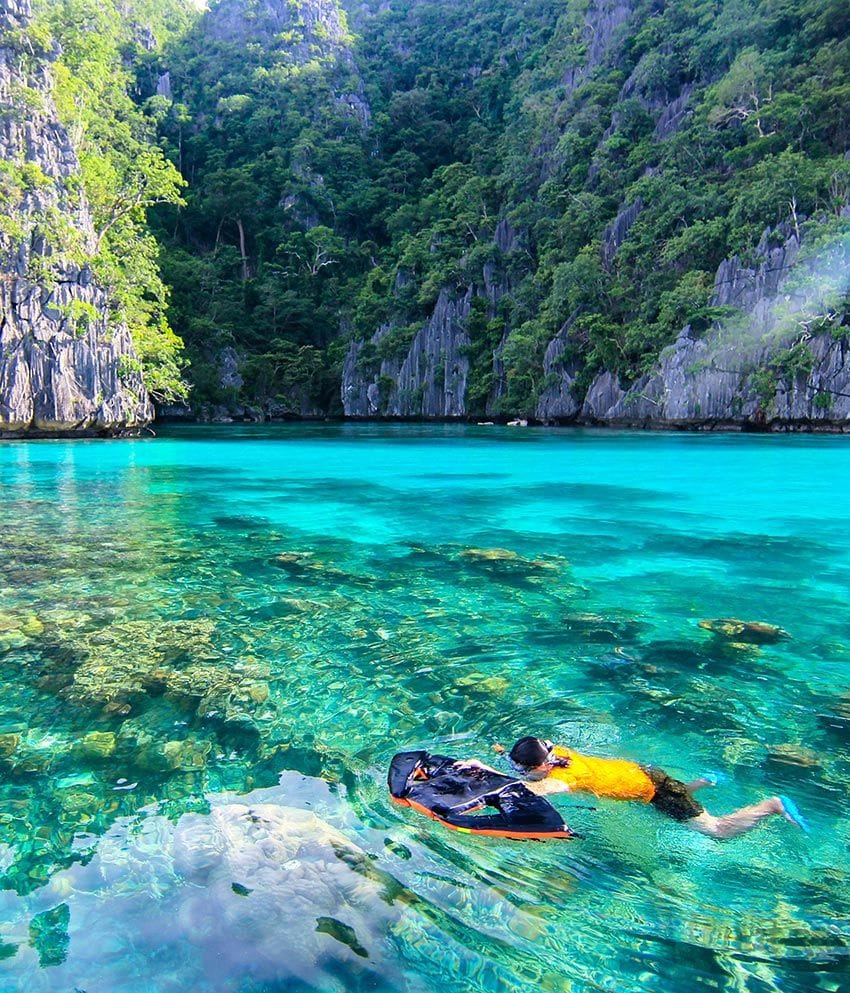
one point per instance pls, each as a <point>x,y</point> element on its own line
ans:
<point>739,821</point>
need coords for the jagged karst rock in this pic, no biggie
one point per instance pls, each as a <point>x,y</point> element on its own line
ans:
<point>561,365</point>
<point>674,114</point>
<point>65,365</point>
<point>719,378</point>
<point>431,378</point>
<point>710,380</point>
<point>603,20</point>
<point>430,381</point>
<point>618,230</point>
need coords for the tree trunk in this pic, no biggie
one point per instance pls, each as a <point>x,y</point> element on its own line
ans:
<point>245,272</point>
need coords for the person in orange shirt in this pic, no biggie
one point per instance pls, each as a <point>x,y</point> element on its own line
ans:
<point>549,768</point>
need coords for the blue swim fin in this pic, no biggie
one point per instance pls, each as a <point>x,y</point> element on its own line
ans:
<point>793,814</point>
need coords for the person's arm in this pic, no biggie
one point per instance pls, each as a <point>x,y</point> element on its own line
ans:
<point>475,764</point>
<point>543,787</point>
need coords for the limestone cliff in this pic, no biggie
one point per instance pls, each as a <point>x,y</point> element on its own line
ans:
<point>303,33</point>
<point>428,381</point>
<point>65,365</point>
<point>780,360</point>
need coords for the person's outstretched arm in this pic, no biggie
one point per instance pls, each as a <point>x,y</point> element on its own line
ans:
<point>544,787</point>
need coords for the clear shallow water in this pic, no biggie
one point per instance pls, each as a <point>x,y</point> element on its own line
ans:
<point>217,620</point>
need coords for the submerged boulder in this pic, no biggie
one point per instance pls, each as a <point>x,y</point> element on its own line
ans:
<point>795,755</point>
<point>835,718</point>
<point>97,745</point>
<point>599,628</point>
<point>744,632</point>
<point>503,560</point>
<point>478,683</point>
<point>188,755</point>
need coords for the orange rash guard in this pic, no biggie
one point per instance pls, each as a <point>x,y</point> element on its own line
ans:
<point>617,778</point>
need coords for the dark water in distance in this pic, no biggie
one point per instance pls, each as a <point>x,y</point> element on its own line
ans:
<point>212,642</point>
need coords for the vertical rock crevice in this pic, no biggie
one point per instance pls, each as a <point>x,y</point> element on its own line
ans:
<point>428,381</point>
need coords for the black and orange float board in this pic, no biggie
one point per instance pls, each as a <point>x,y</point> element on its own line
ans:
<point>433,786</point>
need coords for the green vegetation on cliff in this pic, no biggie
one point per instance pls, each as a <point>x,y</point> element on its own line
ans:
<point>337,184</point>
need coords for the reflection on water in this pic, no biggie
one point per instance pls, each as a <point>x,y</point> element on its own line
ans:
<point>212,643</point>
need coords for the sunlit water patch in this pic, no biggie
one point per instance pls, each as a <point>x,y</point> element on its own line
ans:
<point>212,642</point>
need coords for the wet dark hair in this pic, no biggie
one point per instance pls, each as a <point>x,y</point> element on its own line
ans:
<point>528,752</point>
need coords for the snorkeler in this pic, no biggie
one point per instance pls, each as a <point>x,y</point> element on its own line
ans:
<point>549,768</point>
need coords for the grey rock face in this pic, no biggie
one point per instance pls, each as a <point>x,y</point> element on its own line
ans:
<point>603,20</point>
<point>14,13</point>
<point>360,389</point>
<point>674,114</point>
<point>163,85</point>
<point>430,381</point>
<point>733,377</point>
<point>65,364</point>
<point>618,230</point>
<point>507,238</point>
<point>557,400</point>
<point>497,284</point>
<point>228,367</point>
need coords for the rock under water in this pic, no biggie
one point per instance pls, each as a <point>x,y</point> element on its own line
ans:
<point>249,893</point>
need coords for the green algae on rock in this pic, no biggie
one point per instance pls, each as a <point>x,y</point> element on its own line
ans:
<point>97,745</point>
<point>477,682</point>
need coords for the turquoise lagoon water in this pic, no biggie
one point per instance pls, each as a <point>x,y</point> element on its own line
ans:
<point>213,641</point>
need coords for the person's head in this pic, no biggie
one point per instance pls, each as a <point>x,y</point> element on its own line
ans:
<point>532,754</point>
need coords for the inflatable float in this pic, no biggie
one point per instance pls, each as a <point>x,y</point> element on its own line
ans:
<point>432,785</point>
